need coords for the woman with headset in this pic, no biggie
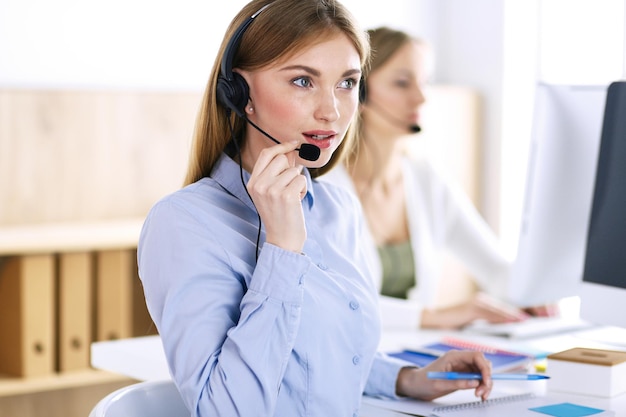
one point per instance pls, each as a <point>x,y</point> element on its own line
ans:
<point>414,215</point>
<point>250,272</point>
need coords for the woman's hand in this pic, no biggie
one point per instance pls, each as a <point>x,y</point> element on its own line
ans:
<point>413,382</point>
<point>480,307</point>
<point>546,310</point>
<point>277,187</point>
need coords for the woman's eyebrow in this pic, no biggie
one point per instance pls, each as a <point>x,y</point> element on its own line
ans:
<point>315,72</point>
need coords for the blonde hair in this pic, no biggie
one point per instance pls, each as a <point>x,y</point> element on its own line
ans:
<point>283,28</point>
<point>384,43</point>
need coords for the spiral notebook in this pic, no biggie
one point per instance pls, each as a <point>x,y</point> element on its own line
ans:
<point>482,406</point>
<point>462,403</point>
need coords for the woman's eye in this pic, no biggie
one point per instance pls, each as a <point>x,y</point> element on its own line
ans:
<point>350,83</point>
<point>302,82</point>
<point>402,83</point>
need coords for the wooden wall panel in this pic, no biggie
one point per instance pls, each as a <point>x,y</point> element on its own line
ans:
<point>67,156</point>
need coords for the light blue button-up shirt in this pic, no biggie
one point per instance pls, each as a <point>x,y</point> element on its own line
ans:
<point>287,335</point>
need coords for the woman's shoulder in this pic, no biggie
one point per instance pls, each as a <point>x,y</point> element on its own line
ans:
<point>200,189</point>
<point>194,200</point>
<point>425,171</point>
<point>420,164</point>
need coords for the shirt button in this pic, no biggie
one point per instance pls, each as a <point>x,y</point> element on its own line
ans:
<point>356,359</point>
<point>322,266</point>
<point>354,305</point>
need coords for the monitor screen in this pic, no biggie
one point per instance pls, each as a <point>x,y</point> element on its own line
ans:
<point>567,124</point>
<point>603,288</point>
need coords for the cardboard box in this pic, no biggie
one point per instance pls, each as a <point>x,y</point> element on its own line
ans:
<point>596,372</point>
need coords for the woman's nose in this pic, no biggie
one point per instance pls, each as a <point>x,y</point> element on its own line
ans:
<point>327,107</point>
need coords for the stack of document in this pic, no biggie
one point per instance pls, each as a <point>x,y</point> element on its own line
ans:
<point>501,360</point>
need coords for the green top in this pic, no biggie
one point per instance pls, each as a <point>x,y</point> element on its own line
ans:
<point>398,269</point>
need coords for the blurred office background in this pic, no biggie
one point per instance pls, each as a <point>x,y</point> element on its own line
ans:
<point>498,47</point>
<point>97,104</point>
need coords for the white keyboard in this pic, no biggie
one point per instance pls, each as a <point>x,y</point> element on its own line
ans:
<point>609,335</point>
<point>529,328</point>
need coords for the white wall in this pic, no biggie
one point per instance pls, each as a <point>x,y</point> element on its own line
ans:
<point>469,41</point>
<point>146,44</point>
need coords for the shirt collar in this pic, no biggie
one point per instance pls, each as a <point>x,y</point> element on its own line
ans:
<point>226,173</point>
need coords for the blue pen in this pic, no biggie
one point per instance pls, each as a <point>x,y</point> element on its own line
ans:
<point>460,375</point>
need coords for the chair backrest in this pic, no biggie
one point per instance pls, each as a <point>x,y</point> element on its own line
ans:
<point>143,399</point>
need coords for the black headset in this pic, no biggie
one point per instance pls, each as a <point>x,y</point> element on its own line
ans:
<point>232,89</point>
<point>362,91</point>
<point>232,92</point>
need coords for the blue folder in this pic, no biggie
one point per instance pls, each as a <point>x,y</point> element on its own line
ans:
<point>501,362</point>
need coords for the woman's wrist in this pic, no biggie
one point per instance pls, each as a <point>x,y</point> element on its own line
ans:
<point>405,379</point>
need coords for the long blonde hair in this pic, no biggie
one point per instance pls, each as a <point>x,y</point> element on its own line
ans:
<point>384,43</point>
<point>283,28</point>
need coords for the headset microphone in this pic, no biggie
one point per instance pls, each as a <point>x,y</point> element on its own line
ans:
<point>415,128</point>
<point>309,152</point>
<point>305,151</point>
<point>233,92</point>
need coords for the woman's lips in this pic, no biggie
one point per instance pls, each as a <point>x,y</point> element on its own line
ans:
<point>321,140</point>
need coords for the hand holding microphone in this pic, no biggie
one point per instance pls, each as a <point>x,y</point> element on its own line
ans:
<point>277,187</point>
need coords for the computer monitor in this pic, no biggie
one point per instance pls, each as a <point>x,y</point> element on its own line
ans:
<point>567,123</point>
<point>603,287</point>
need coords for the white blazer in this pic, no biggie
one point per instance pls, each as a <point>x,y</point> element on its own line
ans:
<point>441,219</point>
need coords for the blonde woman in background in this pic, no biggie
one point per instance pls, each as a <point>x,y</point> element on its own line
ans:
<point>414,215</point>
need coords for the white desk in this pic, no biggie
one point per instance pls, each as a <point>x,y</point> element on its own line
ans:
<point>143,358</point>
<point>140,358</point>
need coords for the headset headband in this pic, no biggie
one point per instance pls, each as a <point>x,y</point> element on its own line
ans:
<point>233,44</point>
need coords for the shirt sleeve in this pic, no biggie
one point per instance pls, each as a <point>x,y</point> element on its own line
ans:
<point>223,334</point>
<point>470,239</point>
<point>384,375</point>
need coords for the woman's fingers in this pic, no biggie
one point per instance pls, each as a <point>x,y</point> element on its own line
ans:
<point>277,187</point>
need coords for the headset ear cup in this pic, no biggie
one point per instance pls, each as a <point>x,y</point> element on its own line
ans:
<point>233,94</point>
<point>362,91</point>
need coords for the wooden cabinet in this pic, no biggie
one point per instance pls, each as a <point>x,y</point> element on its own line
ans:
<point>79,170</point>
<point>68,394</point>
<point>62,287</point>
